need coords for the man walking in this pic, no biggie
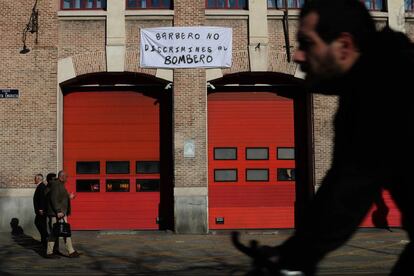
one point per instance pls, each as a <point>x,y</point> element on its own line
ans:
<point>59,208</point>
<point>39,203</point>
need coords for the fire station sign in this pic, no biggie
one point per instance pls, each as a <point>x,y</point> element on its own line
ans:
<point>9,93</point>
<point>186,47</point>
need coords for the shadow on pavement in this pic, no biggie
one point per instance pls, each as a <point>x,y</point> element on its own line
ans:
<point>24,240</point>
<point>157,265</point>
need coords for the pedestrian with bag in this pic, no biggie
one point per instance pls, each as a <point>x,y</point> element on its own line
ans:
<point>58,210</point>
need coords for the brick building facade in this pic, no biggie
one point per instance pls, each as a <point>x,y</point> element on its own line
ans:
<point>76,44</point>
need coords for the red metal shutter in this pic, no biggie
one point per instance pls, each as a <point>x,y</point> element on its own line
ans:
<point>393,217</point>
<point>250,120</point>
<point>111,126</point>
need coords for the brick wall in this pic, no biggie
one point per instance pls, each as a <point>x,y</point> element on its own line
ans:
<point>84,40</point>
<point>277,46</point>
<point>28,140</point>
<point>28,125</point>
<point>240,42</point>
<point>323,112</point>
<point>133,28</point>
<point>190,105</point>
<point>409,28</point>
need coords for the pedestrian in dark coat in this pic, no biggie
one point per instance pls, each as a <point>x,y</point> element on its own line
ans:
<point>58,208</point>
<point>40,205</point>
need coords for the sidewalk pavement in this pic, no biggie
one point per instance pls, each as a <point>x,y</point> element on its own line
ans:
<point>369,252</point>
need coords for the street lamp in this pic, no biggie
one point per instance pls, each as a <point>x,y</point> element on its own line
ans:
<point>32,26</point>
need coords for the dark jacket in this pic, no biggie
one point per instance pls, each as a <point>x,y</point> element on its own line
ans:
<point>39,198</point>
<point>374,123</point>
<point>57,198</point>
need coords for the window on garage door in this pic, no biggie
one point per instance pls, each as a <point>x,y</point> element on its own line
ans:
<point>117,185</point>
<point>87,185</point>
<point>257,175</point>
<point>89,171</point>
<point>229,153</point>
<point>286,174</point>
<point>225,175</point>
<point>257,153</point>
<point>285,153</point>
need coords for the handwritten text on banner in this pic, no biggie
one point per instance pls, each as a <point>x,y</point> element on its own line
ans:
<point>186,47</point>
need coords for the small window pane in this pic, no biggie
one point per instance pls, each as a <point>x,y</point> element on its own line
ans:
<point>286,175</point>
<point>148,166</point>
<point>67,4</point>
<point>225,153</point>
<point>257,175</point>
<point>408,5</point>
<point>292,4</point>
<point>117,185</point>
<point>148,185</point>
<point>77,4</point>
<point>374,4</point>
<point>226,175</point>
<point>379,5</point>
<point>271,3</point>
<point>99,4</point>
<point>132,4</point>
<point>117,167</point>
<point>87,167</point>
<point>286,153</point>
<point>87,185</point>
<point>257,153</point>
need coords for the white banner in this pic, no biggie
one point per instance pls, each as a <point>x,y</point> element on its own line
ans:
<point>186,47</point>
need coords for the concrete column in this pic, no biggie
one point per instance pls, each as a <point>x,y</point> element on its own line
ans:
<point>396,15</point>
<point>115,36</point>
<point>258,35</point>
<point>66,71</point>
<point>190,134</point>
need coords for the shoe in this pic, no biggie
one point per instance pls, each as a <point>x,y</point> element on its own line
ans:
<point>74,254</point>
<point>52,256</point>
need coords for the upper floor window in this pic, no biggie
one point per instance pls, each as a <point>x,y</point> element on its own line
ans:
<point>280,4</point>
<point>149,4</point>
<point>375,5</point>
<point>83,4</point>
<point>226,4</point>
<point>409,5</point>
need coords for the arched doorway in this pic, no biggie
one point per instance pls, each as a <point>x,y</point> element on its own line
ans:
<point>260,161</point>
<point>117,151</point>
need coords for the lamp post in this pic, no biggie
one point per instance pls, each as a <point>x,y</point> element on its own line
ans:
<point>32,26</point>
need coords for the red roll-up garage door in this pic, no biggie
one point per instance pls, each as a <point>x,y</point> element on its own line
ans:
<point>383,212</point>
<point>111,153</point>
<point>251,160</point>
